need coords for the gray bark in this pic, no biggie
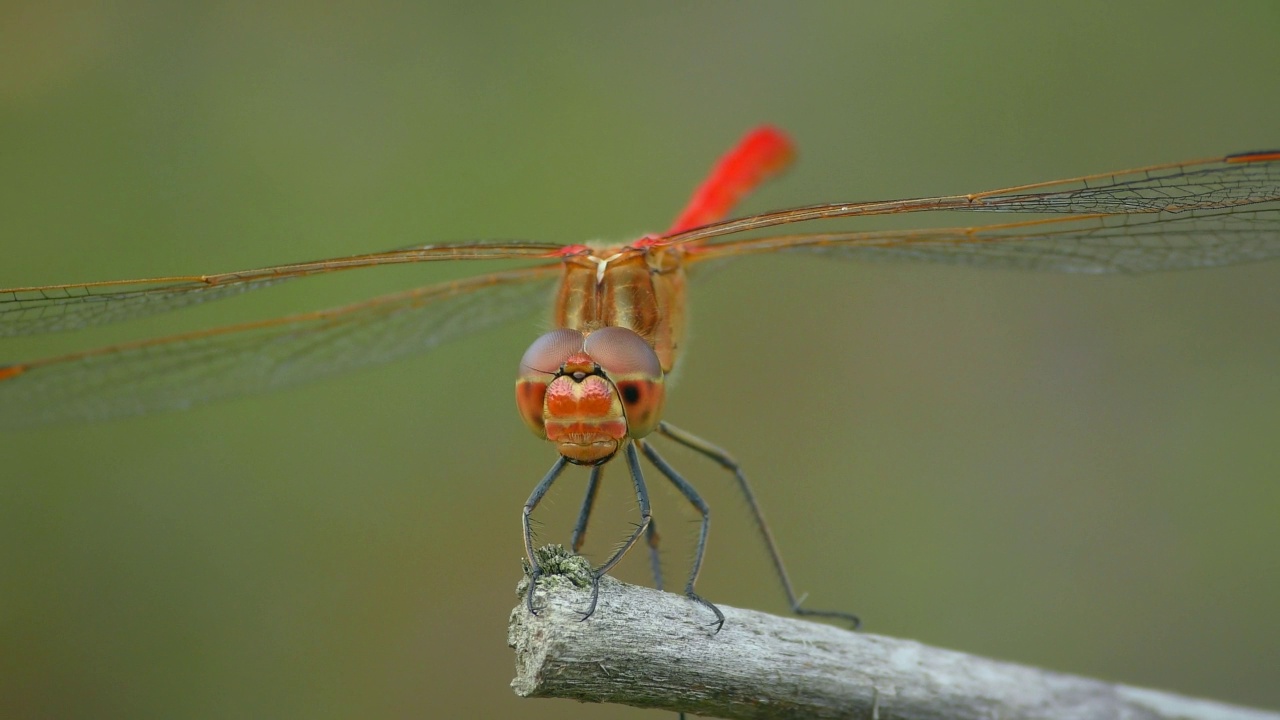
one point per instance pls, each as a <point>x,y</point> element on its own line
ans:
<point>653,649</point>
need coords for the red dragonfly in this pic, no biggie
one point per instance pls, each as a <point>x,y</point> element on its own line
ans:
<point>594,386</point>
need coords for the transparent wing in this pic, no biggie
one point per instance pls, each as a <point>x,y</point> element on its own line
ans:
<point>50,308</point>
<point>181,370</point>
<point>1089,244</point>
<point>1233,181</point>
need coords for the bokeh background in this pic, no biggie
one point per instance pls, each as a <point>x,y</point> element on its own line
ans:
<point>1078,473</point>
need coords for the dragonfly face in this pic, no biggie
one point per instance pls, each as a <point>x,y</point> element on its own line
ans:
<point>589,393</point>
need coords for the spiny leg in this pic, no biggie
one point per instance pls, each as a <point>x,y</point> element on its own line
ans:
<point>651,536</point>
<point>692,495</point>
<point>535,570</point>
<point>646,517</point>
<point>723,459</point>
<point>580,527</point>
<point>588,501</point>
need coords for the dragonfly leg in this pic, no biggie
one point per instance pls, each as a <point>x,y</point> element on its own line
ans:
<point>588,501</point>
<point>651,536</point>
<point>535,570</point>
<point>646,519</point>
<point>693,497</point>
<point>727,462</point>
<point>580,527</point>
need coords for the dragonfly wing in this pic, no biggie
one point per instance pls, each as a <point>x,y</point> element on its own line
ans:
<point>183,370</point>
<point>53,308</point>
<point>1235,180</point>
<point>1092,244</point>
<point>1223,183</point>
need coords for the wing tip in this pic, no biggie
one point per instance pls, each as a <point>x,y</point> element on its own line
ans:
<point>1254,156</point>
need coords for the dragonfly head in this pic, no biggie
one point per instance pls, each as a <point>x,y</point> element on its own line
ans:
<point>587,392</point>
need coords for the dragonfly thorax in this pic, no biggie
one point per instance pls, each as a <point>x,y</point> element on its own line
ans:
<point>588,392</point>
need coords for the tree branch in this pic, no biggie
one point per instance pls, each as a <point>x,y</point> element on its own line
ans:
<point>652,649</point>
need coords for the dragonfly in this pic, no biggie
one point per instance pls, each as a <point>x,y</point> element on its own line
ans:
<point>595,385</point>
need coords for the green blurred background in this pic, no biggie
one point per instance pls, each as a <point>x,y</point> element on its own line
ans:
<point>1078,473</point>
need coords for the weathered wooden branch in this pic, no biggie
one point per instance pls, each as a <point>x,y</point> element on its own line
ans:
<point>653,649</point>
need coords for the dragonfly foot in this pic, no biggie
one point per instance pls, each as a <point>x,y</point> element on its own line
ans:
<point>595,597</point>
<point>719,621</point>
<point>534,574</point>
<point>854,621</point>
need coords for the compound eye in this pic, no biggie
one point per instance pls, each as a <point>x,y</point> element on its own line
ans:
<point>623,353</point>
<point>634,369</point>
<point>538,368</point>
<point>545,356</point>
